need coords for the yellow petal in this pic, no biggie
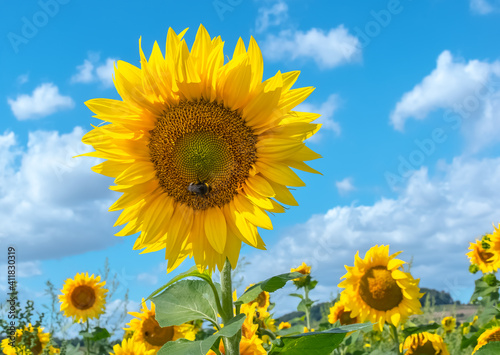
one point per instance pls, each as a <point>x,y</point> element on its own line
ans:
<point>215,228</point>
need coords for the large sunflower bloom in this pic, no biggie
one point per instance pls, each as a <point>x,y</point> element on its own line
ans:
<point>27,336</point>
<point>489,335</point>
<point>339,313</point>
<point>483,258</point>
<point>131,347</point>
<point>424,343</point>
<point>201,150</point>
<point>147,331</point>
<point>83,297</point>
<point>379,290</point>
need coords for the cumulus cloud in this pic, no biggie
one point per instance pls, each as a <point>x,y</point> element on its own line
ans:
<point>345,186</point>
<point>328,49</point>
<point>468,92</point>
<point>271,16</point>
<point>45,100</point>
<point>432,220</point>
<point>54,204</point>
<point>327,110</point>
<point>484,7</point>
<point>91,71</point>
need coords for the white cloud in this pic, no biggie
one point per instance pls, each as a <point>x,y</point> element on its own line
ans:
<point>345,186</point>
<point>23,79</point>
<point>55,205</point>
<point>467,90</point>
<point>432,220</point>
<point>484,7</point>
<point>90,71</point>
<point>271,16</point>
<point>328,49</point>
<point>45,100</point>
<point>327,110</point>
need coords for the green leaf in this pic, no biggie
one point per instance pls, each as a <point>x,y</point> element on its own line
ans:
<point>201,347</point>
<point>492,348</point>
<point>193,272</point>
<point>419,329</point>
<point>297,295</point>
<point>316,343</point>
<point>304,304</point>
<point>483,290</point>
<point>184,301</point>
<point>269,285</point>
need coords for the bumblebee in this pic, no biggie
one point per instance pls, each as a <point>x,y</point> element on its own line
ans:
<point>200,189</point>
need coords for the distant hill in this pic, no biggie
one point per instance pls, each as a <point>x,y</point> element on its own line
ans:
<point>438,297</point>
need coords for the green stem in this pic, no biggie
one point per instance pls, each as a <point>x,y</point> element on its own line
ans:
<point>396,338</point>
<point>308,311</point>
<point>231,345</point>
<point>87,341</point>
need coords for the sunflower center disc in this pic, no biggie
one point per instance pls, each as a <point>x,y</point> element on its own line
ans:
<point>201,142</point>
<point>83,297</point>
<point>156,335</point>
<point>379,290</point>
<point>345,317</point>
<point>485,256</point>
<point>493,337</point>
<point>425,349</point>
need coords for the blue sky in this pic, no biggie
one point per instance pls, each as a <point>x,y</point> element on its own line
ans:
<point>410,97</point>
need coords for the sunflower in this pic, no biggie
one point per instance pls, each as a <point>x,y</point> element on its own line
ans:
<point>263,300</point>
<point>482,257</point>
<point>284,325</point>
<point>339,313</point>
<point>201,150</point>
<point>147,331</point>
<point>28,341</point>
<point>489,335</point>
<point>493,242</point>
<point>83,297</point>
<point>379,290</point>
<point>130,347</point>
<point>449,324</point>
<point>424,343</point>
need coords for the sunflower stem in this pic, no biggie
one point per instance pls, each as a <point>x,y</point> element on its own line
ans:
<point>396,338</point>
<point>87,341</point>
<point>308,310</point>
<point>232,344</point>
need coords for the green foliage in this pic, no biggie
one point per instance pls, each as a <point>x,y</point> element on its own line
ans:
<point>270,285</point>
<point>492,348</point>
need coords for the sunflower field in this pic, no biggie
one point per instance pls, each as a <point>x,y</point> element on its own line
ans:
<point>201,148</point>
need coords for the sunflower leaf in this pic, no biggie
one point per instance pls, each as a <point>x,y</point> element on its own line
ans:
<point>492,348</point>
<point>419,329</point>
<point>316,343</point>
<point>192,272</point>
<point>270,285</point>
<point>184,301</point>
<point>201,347</point>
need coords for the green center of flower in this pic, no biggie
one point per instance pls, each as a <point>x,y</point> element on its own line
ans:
<point>379,290</point>
<point>83,297</point>
<point>202,153</point>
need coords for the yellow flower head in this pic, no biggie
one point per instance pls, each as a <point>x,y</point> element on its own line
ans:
<point>449,324</point>
<point>339,313</point>
<point>284,325</point>
<point>379,290</point>
<point>131,347</point>
<point>483,258</point>
<point>494,247</point>
<point>83,297</point>
<point>263,300</point>
<point>147,331</point>
<point>27,336</point>
<point>304,269</point>
<point>489,335</point>
<point>202,150</point>
<point>424,343</point>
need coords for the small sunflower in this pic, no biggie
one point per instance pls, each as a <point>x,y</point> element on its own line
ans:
<point>339,313</point>
<point>147,331</point>
<point>201,150</point>
<point>424,343</point>
<point>482,257</point>
<point>449,324</point>
<point>304,269</point>
<point>379,290</point>
<point>263,300</point>
<point>493,241</point>
<point>131,347</point>
<point>488,336</point>
<point>28,342</point>
<point>284,325</point>
<point>83,297</point>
